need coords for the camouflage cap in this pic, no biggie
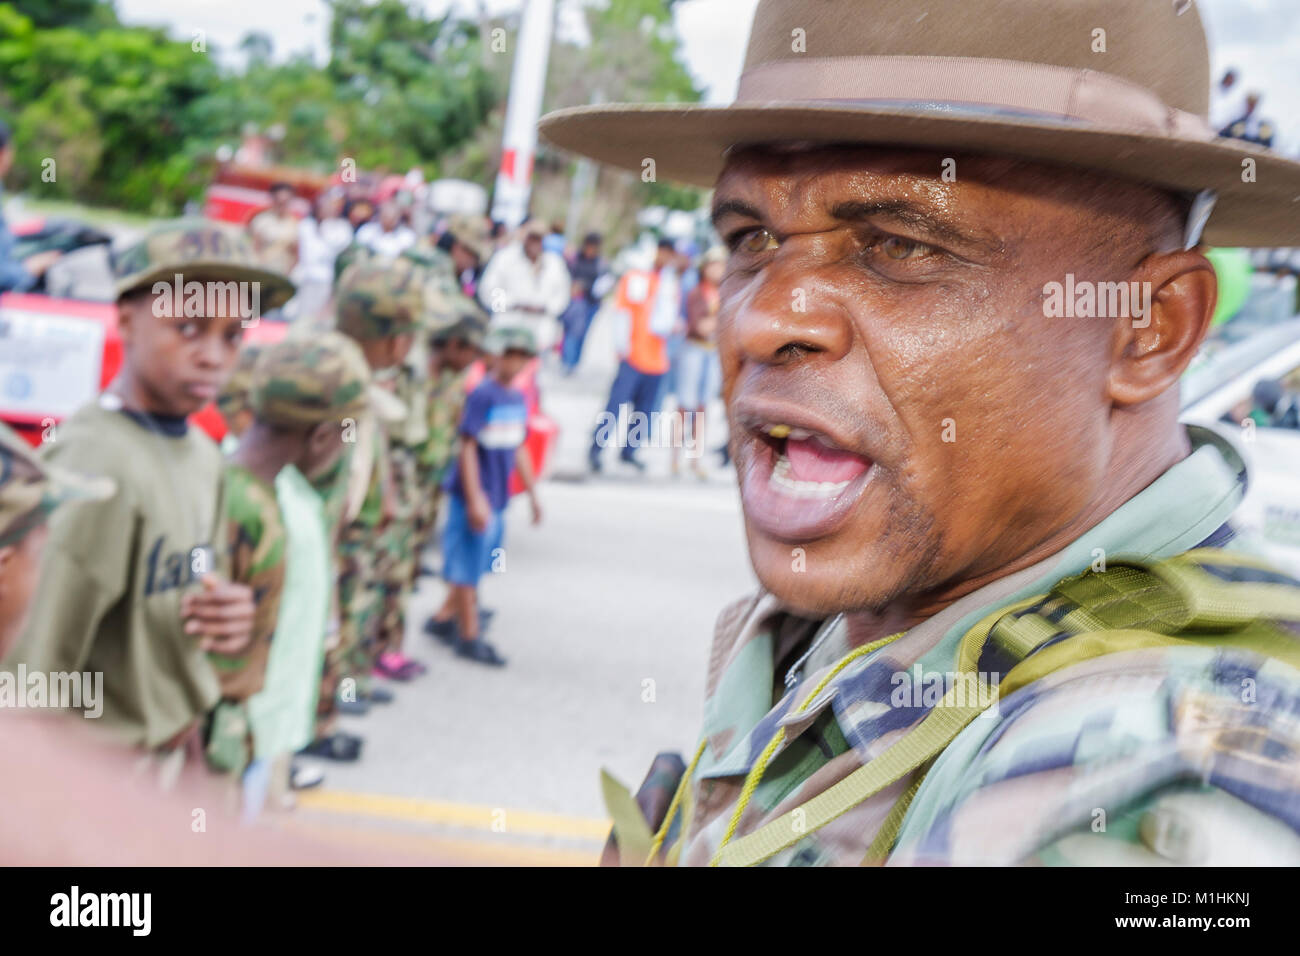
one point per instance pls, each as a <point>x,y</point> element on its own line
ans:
<point>377,298</point>
<point>233,397</point>
<point>470,328</point>
<point>198,250</point>
<point>298,383</point>
<point>473,233</point>
<point>510,338</point>
<point>31,488</point>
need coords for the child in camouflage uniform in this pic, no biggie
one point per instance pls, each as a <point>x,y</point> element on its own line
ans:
<point>377,303</point>
<point>128,585</point>
<point>300,393</point>
<point>408,440</point>
<point>232,400</point>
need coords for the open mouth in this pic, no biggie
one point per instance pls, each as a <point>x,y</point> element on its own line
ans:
<point>799,484</point>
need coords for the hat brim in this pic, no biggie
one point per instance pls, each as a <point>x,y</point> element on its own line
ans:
<point>274,289</point>
<point>689,144</point>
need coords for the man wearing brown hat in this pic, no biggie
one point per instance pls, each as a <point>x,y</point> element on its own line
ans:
<point>953,479</point>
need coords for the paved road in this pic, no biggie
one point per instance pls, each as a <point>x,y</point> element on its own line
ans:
<point>605,613</point>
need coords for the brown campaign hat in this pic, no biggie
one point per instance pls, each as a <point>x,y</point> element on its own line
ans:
<point>1115,86</point>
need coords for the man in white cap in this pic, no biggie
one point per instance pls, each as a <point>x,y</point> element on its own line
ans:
<point>526,286</point>
<point>965,278</point>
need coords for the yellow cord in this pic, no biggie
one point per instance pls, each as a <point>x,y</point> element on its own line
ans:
<point>672,807</point>
<point>760,766</point>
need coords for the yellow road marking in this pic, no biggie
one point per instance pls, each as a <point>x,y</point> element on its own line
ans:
<point>471,816</point>
<point>443,850</point>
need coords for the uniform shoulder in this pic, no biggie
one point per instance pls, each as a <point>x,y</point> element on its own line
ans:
<point>93,440</point>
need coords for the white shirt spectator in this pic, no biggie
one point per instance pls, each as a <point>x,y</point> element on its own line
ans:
<point>319,244</point>
<point>519,292</point>
<point>388,244</point>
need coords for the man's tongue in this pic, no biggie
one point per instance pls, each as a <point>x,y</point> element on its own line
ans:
<point>810,460</point>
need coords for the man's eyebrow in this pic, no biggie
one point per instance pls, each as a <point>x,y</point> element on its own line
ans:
<point>736,207</point>
<point>913,215</point>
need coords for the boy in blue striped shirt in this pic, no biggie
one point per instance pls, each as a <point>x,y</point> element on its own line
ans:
<point>492,429</point>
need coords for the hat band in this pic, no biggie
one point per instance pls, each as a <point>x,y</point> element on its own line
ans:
<point>1039,89</point>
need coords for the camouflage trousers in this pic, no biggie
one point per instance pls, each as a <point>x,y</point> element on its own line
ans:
<point>429,483</point>
<point>395,553</point>
<point>350,658</point>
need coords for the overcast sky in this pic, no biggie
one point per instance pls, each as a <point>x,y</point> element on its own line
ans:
<point>1259,37</point>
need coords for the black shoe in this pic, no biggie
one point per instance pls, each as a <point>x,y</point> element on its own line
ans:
<point>444,631</point>
<point>341,747</point>
<point>480,651</point>
<point>354,708</point>
<point>379,695</point>
<point>631,459</point>
<point>427,571</point>
<point>593,459</point>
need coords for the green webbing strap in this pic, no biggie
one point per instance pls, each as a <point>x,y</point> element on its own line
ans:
<point>935,732</point>
<point>881,846</point>
<point>631,831</point>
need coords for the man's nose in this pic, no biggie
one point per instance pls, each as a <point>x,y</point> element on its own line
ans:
<point>793,312</point>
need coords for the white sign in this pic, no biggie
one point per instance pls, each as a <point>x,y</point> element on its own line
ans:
<point>49,364</point>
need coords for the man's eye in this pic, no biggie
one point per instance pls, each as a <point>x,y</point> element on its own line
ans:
<point>899,249</point>
<point>754,241</point>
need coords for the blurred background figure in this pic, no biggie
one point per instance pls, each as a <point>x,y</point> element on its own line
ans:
<point>699,373</point>
<point>275,231</point>
<point>1281,406</point>
<point>1226,101</point>
<point>469,243</point>
<point>590,275</point>
<point>322,235</point>
<point>525,286</point>
<point>388,235</point>
<point>1250,125</point>
<point>647,305</point>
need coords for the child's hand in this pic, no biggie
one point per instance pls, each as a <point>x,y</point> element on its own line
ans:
<point>222,613</point>
<point>479,512</point>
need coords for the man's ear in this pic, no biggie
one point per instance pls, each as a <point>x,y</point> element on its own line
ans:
<point>1170,317</point>
<point>321,435</point>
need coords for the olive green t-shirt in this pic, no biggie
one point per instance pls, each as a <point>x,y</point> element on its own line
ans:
<point>113,571</point>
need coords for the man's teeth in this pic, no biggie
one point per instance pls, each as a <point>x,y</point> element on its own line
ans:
<point>803,489</point>
<point>786,431</point>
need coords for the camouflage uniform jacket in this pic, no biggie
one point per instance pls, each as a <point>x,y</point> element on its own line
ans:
<point>255,542</point>
<point>1063,764</point>
<point>445,404</point>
